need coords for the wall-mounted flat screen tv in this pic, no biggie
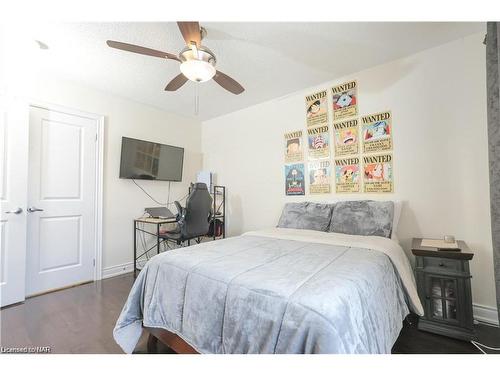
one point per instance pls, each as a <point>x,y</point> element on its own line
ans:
<point>143,160</point>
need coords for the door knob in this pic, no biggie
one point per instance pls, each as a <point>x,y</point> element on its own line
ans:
<point>17,211</point>
<point>34,209</point>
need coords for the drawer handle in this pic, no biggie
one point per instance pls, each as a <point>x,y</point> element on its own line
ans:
<point>441,264</point>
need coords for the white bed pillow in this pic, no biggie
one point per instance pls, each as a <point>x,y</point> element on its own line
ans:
<point>398,205</point>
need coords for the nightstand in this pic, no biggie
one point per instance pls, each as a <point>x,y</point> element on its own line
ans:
<point>443,282</point>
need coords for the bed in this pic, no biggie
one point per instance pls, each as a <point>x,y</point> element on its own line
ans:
<point>280,290</point>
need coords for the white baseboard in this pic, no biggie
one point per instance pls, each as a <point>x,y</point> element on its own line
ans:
<point>119,269</point>
<point>485,314</point>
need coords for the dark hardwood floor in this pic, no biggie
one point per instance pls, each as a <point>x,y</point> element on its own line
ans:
<point>413,341</point>
<point>74,320</point>
<point>81,320</point>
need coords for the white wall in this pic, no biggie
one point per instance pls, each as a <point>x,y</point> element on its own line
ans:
<point>438,103</point>
<point>123,201</point>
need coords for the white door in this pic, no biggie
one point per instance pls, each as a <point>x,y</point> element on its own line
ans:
<point>13,184</point>
<point>61,200</point>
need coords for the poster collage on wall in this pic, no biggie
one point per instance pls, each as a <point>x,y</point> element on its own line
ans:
<point>361,147</point>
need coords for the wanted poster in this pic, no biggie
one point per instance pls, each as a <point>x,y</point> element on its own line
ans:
<point>346,137</point>
<point>317,109</point>
<point>294,179</point>
<point>345,100</point>
<point>347,176</point>
<point>319,177</point>
<point>293,147</point>
<point>378,174</point>
<point>377,132</point>
<point>318,140</point>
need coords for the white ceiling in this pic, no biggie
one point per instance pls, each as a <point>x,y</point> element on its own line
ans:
<point>269,59</point>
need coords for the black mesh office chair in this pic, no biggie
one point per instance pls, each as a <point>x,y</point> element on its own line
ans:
<point>192,220</point>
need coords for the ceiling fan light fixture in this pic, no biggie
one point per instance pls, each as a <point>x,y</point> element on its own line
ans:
<point>197,61</point>
<point>197,70</point>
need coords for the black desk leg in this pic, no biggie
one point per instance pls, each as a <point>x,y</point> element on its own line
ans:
<point>157,238</point>
<point>135,247</point>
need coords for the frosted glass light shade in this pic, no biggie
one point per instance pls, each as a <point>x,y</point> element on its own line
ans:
<point>197,70</point>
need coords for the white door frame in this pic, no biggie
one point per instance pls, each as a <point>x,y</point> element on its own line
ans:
<point>99,174</point>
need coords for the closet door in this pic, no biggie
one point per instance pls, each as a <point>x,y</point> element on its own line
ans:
<point>13,196</point>
<point>61,199</point>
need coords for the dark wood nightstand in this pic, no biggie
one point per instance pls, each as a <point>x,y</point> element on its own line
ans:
<point>443,282</point>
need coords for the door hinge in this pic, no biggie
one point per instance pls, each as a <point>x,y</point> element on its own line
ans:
<point>96,137</point>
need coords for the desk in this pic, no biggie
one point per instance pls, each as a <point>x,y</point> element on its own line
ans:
<point>150,221</point>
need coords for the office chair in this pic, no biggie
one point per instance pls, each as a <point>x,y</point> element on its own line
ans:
<point>192,220</point>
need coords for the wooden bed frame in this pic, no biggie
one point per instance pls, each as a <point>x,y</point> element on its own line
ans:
<point>168,338</point>
<point>179,346</point>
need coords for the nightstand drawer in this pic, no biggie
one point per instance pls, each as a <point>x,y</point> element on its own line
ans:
<point>444,264</point>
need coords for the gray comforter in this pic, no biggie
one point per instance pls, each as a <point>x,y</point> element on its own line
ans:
<point>269,294</point>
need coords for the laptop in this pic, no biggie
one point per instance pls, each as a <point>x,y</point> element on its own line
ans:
<point>159,212</point>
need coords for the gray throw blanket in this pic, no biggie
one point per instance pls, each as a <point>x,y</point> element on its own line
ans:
<point>269,294</point>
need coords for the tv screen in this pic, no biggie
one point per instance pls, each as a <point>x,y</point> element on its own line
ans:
<point>144,160</point>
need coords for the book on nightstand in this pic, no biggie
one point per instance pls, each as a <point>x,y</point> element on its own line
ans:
<point>440,245</point>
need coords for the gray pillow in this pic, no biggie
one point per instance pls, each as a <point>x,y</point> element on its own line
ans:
<point>365,218</point>
<point>306,215</point>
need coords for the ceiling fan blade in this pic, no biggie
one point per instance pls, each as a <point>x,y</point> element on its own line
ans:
<point>176,83</point>
<point>228,83</point>
<point>141,50</point>
<point>190,32</point>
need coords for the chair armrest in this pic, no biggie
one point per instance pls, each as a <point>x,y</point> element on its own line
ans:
<point>181,213</point>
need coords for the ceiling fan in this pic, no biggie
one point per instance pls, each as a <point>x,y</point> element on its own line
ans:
<point>197,61</point>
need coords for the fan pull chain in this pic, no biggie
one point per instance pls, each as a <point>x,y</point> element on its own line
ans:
<point>196,101</point>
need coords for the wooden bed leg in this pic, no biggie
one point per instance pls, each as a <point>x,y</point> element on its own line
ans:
<point>152,344</point>
<point>158,337</point>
